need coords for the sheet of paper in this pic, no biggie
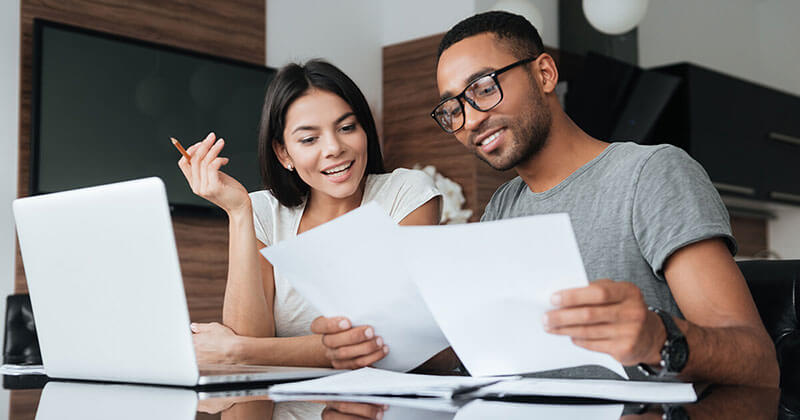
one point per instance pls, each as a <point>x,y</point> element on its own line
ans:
<point>489,284</point>
<point>629,391</point>
<point>371,381</point>
<point>512,411</point>
<point>350,267</point>
<point>399,407</point>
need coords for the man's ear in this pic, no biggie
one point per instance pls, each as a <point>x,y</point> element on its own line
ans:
<point>282,154</point>
<point>546,72</point>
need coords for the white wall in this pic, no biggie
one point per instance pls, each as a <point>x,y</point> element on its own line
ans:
<point>9,121</point>
<point>352,33</point>
<point>754,40</point>
<point>548,29</point>
<point>783,232</point>
<point>346,33</point>
<point>413,19</point>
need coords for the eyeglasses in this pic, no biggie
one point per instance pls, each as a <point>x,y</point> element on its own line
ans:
<point>482,94</point>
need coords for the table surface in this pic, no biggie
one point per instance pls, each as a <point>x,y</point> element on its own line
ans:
<point>43,400</point>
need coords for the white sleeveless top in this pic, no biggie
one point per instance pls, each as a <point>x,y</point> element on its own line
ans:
<point>399,193</point>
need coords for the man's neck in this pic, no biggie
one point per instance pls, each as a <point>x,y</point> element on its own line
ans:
<point>567,149</point>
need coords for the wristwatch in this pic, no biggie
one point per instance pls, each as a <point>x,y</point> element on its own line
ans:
<point>674,353</point>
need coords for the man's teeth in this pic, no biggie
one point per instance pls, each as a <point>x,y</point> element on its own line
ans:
<point>339,168</point>
<point>490,139</point>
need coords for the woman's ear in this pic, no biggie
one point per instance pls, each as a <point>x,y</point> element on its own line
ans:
<point>282,154</point>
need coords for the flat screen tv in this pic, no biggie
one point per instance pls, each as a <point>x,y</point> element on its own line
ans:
<point>104,108</point>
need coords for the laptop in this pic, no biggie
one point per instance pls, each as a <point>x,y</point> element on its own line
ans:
<point>107,294</point>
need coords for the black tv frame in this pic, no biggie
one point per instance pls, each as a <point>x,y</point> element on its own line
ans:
<point>38,25</point>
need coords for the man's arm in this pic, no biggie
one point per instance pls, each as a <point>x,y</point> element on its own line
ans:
<point>727,341</point>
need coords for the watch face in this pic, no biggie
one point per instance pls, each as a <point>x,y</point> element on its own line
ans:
<point>677,354</point>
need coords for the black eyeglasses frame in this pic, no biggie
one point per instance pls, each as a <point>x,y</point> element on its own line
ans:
<point>461,97</point>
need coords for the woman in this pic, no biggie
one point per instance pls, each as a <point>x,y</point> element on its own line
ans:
<point>320,158</point>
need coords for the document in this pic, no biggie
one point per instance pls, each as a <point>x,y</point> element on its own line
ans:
<point>377,382</point>
<point>371,381</point>
<point>351,267</point>
<point>615,390</point>
<point>399,407</point>
<point>489,284</point>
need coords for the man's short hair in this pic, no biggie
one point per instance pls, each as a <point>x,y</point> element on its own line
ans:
<point>515,31</point>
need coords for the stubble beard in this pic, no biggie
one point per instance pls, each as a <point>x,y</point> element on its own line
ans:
<point>529,134</point>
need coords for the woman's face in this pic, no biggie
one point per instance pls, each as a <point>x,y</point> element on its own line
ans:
<point>324,143</point>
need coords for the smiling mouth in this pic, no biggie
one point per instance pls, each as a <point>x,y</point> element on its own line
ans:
<point>491,139</point>
<point>339,170</point>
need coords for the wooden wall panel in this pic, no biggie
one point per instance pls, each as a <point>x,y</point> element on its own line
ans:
<point>411,136</point>
<point>231,28</point>
<point>751,236</point>
<point>23,404</point>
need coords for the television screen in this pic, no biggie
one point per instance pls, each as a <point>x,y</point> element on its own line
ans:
<point>104,108</point>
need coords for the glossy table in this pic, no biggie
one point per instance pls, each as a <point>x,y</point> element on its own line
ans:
<point>88,401</point>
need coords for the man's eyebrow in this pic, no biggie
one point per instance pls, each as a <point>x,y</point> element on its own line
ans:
<point>468,80</point>
<point>314,127</point>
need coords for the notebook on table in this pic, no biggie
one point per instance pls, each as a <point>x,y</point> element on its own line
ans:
<point>107,293</point>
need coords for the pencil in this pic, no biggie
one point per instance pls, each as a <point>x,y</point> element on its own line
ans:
<point>180,148</point>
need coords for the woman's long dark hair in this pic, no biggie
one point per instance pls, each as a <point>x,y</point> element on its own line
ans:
<point>292,82</point>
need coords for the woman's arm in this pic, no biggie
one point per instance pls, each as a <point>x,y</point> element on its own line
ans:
<point>426,214</point>
<point>250,289</point>
<point>248,303</point>
<point>215,344</point>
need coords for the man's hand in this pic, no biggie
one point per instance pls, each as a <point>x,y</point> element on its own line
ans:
<point>349,347</point>
<point>609,317</point>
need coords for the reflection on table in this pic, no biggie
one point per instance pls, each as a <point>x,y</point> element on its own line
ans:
<point>61,400</point>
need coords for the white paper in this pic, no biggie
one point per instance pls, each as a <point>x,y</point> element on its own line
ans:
<point>399,407</point>
<point>371,381</point>
<point>511,411</point>
<point>489,284</point>
<point>630,391</point>
<point>350,267</point>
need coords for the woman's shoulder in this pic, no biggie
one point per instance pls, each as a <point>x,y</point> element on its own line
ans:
<point>400,178</point>
<point>401,191</point>
<point>263,199</point>
<point>265,203</point>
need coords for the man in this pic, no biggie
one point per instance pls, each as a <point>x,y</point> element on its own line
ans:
<point>650,226</point>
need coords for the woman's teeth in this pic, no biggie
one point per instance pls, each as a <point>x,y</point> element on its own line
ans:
<point>339,169</point>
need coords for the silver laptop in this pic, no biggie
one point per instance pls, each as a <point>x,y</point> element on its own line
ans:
<point>107,293</point>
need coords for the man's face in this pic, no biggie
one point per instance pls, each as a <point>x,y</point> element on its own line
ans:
<point>518,127</point>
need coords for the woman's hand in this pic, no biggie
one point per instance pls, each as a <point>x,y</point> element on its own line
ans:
<point>214,344</point>
<point>340,410</point>
<point>206,179</point>
<point>346,347</point>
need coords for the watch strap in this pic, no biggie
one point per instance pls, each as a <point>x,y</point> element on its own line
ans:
<point>674,335</point>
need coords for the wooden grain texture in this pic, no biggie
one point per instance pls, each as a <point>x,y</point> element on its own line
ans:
<point>411,136</point>
<point>751,235</point>
<point>232,28</point>
<point>23,404</point>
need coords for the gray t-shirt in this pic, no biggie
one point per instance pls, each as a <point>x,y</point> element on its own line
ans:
<point>631,207</point>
